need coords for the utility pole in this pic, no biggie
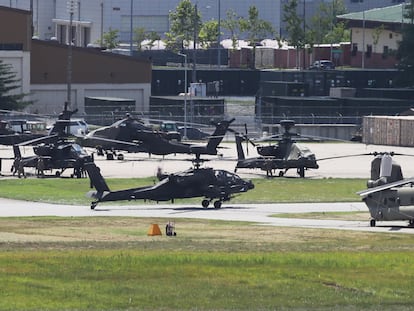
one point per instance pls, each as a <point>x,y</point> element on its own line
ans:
<point>194,77</point>
<point>71,7</point>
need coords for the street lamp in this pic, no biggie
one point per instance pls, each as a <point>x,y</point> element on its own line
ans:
<point>219,35</point>
<point>185,93</point>
<point>71,7</point>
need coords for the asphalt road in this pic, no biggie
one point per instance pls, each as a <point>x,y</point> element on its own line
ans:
<point>140,165</point>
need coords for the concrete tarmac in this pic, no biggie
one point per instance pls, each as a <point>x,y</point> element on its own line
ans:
<point>141,165</point>
<point>355,165</point>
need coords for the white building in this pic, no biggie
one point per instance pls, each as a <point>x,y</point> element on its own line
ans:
<point>92,18</point>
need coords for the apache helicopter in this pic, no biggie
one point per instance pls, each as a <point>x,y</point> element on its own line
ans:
<point>133,136</point>
<point>54,151</point>
<point>218,185</point>
<point>389,196</point>
<point>283,156</point>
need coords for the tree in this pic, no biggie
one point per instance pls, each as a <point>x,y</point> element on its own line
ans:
<point>208,33</point>
<point>294,27</point>
<point>185,22</point>
<point>109,39</point>
<point>325,28</point>
<point>139,36</point>
<point>405,49</point>
<point>257,29</point>
<point>8,83</point>
<point>232,24</point>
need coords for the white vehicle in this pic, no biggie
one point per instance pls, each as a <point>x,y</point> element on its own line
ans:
<point>76,127</point>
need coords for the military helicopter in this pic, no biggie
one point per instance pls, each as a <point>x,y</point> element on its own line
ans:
<point>55,151</point>
<point>218,185</point>
<point>131,135</point>
<point>389,196</point>
<point>285,155</point>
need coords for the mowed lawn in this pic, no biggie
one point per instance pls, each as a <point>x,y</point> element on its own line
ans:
<point>110,263</point>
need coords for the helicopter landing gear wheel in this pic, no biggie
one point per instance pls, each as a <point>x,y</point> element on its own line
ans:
<point>205,203</point>
<point>93,205</point>
<point>57,174</point>
<point>281,173</point>
<point>301,172</point>
<point>372,222</point>
<point>411,222</point>
<point>109,156</point>
<point>120,157</point>
<point>217,204</point>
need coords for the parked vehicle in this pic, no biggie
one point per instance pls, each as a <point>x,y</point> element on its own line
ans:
<point>323,65</point>
<point>171,128</point>
<point>193,133</point>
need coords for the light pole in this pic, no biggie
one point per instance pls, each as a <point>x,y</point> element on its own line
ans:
<point>219,35</point>
<point>363,40</point>
<point>71,7</point>
<point>131,30</point>
<point>185,93</point>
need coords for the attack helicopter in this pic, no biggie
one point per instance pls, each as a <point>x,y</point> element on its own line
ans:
<point>56,151</point>
<point>285,155</point>
<point>214,185</point>
<point>388,195</point>
<point>131,135</point>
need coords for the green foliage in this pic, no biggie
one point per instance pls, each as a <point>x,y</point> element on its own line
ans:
<point>185,24</point>
<point>209,33</point>
<point>257,29</point>
<point>232,24</point>
<point>110,39</point>
<point>8,83</point>
<point>294,24</point>
<point>139,36</point>
<point>324,27</point>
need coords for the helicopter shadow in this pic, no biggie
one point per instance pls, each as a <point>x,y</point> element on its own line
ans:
<point>175,210</point>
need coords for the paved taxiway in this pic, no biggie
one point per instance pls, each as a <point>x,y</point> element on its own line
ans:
<point>139,165</point>
<point>256,213</point>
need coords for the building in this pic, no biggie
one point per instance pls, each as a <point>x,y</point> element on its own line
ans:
<point>375,35</point>
<point>92,18</point>
<point>50,79</point>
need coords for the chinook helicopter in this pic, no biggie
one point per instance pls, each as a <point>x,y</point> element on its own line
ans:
<point>213,185</point>
<point>286,154</point>
<point>389,196</point>
<point>56,151</point>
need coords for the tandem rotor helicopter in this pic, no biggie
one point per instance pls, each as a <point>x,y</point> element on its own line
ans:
<point>286,154</point>
<point>388,195</point>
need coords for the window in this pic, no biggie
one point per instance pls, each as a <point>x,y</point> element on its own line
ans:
<point>369,50</point>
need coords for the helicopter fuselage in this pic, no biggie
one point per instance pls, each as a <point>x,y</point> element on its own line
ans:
<point>391,204</point>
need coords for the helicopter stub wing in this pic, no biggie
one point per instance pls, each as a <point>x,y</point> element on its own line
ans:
<point>388,186</point>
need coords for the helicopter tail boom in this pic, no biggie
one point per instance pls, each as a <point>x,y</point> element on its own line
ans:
<point>96,178</point>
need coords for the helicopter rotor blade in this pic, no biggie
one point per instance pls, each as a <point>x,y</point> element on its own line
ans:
<point>44,139</point>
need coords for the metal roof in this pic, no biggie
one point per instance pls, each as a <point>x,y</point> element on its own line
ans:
<point>390,14</point>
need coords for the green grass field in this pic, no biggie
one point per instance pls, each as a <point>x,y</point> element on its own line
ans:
<point>110,263</point>
<point>72,191</point>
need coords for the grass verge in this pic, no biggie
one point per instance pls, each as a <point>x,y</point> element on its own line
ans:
<point>102,263</point>
<point>72,191</point>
